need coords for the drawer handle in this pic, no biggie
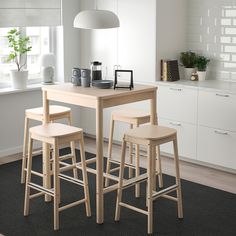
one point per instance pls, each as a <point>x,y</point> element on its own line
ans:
<point>222,95</point>
<point>221,132</point>
<point>175,124</point>
<point>176,89</point>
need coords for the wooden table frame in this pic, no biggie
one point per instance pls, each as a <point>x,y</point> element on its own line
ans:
<point>97,99</point>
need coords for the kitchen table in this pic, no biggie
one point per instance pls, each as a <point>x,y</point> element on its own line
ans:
<point>98,99</point>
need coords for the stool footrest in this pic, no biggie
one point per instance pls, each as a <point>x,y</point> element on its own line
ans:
<point>37,195</point>
<point>72,204</point>
<point>71,179</point>
<point>126,164</point>
<point>35,173</point>
<point>113,177</point>
<point>88,169</point>
<point>165,191</point>
<point>65,157</point>
<point>66,167</point>
<point>110,188</point>
<point>133,208</point>
<point>114,169</point>
<point>41,188</point>
<point>141,178</point>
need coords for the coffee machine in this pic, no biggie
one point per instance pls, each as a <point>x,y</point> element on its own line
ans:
<point>96,70</point>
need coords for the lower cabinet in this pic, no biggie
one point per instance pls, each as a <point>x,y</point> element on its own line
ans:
<point>187,135</point>
<point>216,147</point>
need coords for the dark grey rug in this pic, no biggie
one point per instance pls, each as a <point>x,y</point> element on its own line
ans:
<point>207,211</point>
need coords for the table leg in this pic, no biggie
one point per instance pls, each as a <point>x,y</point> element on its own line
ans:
<point>153,108</point>
<point>46,150</point>
<point>99,163</point>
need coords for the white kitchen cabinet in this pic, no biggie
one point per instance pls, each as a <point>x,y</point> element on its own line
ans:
<point>217,109</point>
<point>177,103</point>
<point>217,147</point>
<point>187,135</point>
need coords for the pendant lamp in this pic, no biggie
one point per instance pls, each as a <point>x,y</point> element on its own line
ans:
<point>96,19</point>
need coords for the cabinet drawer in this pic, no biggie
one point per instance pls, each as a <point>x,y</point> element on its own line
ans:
<point>177,103</point>
<point>217,110</point>
<point>186,134</point>
<point>217,147</point>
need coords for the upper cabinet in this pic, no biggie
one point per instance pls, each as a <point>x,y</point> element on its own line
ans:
<point>133,44</point>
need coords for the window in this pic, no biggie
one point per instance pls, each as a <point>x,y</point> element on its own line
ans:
<point>40,39</point>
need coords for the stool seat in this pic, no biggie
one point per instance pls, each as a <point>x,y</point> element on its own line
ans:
<point>54,112</point>
<point>150,132</point>
<point>52,130</point>
<point>130,113</point>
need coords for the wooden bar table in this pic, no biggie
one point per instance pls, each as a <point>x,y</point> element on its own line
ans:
<point>97,99</point>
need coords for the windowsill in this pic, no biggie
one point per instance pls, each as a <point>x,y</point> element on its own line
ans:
<point>10,90</point>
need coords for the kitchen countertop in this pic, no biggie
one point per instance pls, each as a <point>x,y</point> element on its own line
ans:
<point>226,86</point>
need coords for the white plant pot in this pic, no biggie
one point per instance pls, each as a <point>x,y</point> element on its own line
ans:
<point>19,79</point>
<point>201,75</point>
<point>188,72</point>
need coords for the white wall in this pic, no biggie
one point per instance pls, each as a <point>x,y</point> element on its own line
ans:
<point>71,37</point>
<point>12,106</point>
<point>171,29</point>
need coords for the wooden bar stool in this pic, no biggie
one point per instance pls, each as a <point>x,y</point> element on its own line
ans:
<point>134,118</point>
<point>56,113</point>
<point>150,136</point>
<point>56,134</point>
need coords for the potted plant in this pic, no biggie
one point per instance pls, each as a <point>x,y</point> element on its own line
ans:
<point>201,65</point>
<point>187,60</point>
<point>20,46</point>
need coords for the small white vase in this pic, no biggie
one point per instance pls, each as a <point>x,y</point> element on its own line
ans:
<point>188,72</point>
<point>201,75</point>
<point>19,79</point>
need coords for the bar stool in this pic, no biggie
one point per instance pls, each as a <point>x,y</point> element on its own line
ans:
<point>55,113</point>
<point>56,134</point>
<point>150,136</point>
<point>135,118</point>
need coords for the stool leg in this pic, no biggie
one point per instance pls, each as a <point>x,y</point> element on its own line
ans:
<point>108,167</point>
<point>150,188</point>
<point>120,184</point>
<point>179,192</point>
<point>159,168</point>
<point>72,147</point>
<point>85,178</point>
<point>28,178</point>
<point>56,181</point>
<point>131,156</point>
<point>24,156</point>
<point>137,170</point>
<point>73,154</point>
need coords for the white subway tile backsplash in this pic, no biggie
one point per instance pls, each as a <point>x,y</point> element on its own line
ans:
<point>211,30</point>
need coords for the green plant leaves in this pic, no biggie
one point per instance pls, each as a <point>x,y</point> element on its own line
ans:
<point>20,45</point>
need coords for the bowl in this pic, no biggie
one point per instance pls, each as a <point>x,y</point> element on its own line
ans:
<point>103,84</point>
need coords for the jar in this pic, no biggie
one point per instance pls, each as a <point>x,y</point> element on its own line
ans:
<point>96,69</point>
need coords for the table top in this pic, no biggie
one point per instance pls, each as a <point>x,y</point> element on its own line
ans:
<point>96,93</point>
